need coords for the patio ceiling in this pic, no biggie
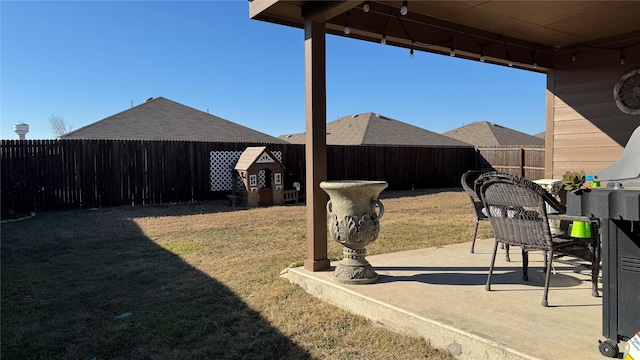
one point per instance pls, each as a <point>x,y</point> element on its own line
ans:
<point>520,32</point>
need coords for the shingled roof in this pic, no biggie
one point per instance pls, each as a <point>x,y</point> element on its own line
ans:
<point>485,133</point>
<point>163,119</point>
<point>375,129</point>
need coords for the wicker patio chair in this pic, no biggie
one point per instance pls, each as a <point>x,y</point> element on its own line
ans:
<point>518,216</point>
<point>469,185</point>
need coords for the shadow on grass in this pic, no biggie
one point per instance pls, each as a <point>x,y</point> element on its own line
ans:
<point>80,286</point>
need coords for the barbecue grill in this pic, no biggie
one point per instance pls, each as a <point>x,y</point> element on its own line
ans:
<point>618,207</point>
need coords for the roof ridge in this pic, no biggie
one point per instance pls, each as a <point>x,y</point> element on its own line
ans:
<point>114,115</point>
<point>366,128</point>
<point>493,134</point>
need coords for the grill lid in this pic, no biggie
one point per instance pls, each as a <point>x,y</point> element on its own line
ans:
<point>627,169</point>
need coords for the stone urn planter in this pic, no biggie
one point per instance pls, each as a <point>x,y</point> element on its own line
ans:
<point>354,223</point>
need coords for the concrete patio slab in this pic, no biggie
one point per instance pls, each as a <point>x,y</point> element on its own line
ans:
<point>438,294</point>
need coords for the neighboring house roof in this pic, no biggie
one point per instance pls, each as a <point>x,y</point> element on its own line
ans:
<point>163,119</point>
<point>485,133</point>
<point>375,129</point>
<point>540,135</point>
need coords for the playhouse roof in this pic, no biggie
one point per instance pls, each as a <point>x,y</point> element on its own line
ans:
<point>256,154</point>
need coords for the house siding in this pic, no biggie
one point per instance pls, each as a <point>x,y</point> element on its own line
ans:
<point>585,129</point>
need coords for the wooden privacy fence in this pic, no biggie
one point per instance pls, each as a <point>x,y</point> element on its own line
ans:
<point>66,174</point>
<point>402,167</point>
<point>42,175</point>
<point>527,161</point>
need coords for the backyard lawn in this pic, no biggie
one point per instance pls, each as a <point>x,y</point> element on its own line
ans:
<point>198,281</point>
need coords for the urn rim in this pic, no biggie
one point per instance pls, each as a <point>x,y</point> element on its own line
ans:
<point>341,184</point>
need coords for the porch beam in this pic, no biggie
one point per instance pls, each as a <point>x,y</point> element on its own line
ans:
<point>316,144</point>
<point>323,11</point>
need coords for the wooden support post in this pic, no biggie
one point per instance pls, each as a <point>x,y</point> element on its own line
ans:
<point>316,145</point>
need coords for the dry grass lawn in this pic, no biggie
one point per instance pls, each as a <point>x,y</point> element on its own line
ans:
<point>198,281</point>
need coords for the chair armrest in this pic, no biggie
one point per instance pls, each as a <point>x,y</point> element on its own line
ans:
<point>572,218</point>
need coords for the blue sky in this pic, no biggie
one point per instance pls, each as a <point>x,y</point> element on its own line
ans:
<point>87,60</point>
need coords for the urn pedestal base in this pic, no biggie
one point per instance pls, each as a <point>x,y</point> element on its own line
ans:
<point>354,268</point>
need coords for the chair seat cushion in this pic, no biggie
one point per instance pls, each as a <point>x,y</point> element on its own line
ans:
<point>511,212</point>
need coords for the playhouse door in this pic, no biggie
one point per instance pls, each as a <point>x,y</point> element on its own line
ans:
<point>266,197</point>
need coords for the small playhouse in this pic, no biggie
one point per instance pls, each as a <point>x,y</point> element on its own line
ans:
<point>258,178</point>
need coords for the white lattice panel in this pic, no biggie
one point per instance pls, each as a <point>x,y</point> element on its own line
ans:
<point>221,167</point>
<point>262,178</point>
<point>222,163</point>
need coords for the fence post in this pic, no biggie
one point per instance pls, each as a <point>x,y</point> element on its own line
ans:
<point>522,161</point>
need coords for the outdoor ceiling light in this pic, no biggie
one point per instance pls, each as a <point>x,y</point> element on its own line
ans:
<point>383,41</point>
<point>403,9</point>
<point>365,7</point>
<point>347,29</point>
<point>411,55</point>
<point>452,52</point>
<point>621,58</point>
<point>573,56</point>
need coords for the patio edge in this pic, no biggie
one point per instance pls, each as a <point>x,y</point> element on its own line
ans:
<point>459,343</point>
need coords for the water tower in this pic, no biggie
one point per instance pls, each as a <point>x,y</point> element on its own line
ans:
<point>21,129</point>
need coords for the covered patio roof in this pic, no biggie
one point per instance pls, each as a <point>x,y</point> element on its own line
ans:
<point>521,32</point>
<point>535,35</point>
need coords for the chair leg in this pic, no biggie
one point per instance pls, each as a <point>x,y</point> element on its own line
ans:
<point>506,253</point>
<point>547,279</point>
<point>594,281</point>
<point>525,265</point>
<point>493,261</point>
<point>475,233</point>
